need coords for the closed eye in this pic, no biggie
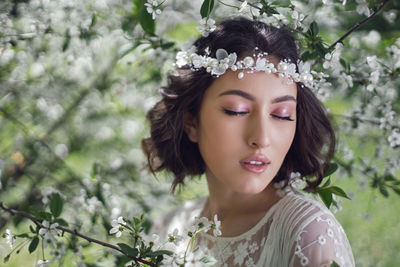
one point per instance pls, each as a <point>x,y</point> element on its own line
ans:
<point>287,118</point>
<point>234,113</point>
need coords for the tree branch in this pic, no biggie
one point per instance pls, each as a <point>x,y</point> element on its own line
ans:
<point>359,24</point>
<point>72,232</point>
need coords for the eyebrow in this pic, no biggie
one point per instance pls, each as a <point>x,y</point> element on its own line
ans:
<point>252,98</point>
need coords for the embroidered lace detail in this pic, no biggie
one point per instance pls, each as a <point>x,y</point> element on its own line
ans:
<point>321,242</point>
<point>296,231</point>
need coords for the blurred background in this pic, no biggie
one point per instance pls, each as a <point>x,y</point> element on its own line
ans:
<point>76,80</point>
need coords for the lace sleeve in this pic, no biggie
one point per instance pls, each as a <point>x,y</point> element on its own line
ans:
<point>322,242</point>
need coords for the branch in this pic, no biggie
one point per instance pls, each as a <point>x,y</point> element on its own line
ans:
<point>250,4</point>
<point>72,232</point>
<point>361,119</point>
<point>7,115</point>
<point>359,24</point>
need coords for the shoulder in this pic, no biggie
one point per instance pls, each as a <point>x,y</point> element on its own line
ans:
<point>316,237</point>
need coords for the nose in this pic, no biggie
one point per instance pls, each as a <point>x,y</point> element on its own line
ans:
<point>259,133</point>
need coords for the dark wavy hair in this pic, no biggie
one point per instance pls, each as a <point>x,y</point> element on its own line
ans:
<point>169,148</point>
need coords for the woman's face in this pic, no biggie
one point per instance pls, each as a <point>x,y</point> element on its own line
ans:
<point>245,129</point>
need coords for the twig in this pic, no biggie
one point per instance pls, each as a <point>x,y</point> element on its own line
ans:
<point>72,232</point>
<point>359,24</point>
<point>361,119</point>
<point>250,4</point>
<point>12,118</point>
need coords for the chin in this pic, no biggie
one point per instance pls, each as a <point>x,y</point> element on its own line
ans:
<point>251,190</point>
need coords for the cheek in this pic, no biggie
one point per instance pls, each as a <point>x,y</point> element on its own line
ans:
<point>216,135</point>
<point>283,137</point>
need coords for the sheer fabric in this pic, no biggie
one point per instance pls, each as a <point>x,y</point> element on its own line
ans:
<point>296,231</point>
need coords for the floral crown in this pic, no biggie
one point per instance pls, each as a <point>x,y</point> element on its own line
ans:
<point>256,63</point>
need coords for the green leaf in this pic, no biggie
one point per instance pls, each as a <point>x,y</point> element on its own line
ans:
<point>96,169</point>
<point>56,204</point>
<point>206,8</point>
<point>389,177</point>
<point>7,258</point>
<point>167,45</point>
<point>334,264</point>
<point>32,230</point>
<point>383,191</point>
<point>33,245</point>
<point>338,191</point>
<point>396,190</point>
<point>331,169</point>
<point>128,250</point>
<point>61,222</point>
<point>283,3</point>
<point>25,235</point>
<point>208,261</point>
<point>93,22</point>
<point>159,253</point>
<point>314,28</point>
<point>327,183</point>
<point>146,21</point>
<point>66,40</point>
<point>326,197</point>
<point>44,216</point>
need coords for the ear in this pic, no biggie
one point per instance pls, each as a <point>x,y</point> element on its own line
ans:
<point>190,126</point>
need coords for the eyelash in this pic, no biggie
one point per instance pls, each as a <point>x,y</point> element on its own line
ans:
<point>234,113</point>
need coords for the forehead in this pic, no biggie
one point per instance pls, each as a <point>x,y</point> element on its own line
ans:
<point>259,84</point>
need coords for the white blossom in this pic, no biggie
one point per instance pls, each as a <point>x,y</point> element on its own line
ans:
<point>295,180</point>
<point>153,8</point>
<point>174,237</point>
<point>48,229</point>
<point>332,60</point>
<point>151,240</point>
<point>117,226</point>
<point>194,259</point>
<point>43,263</point>
<point>48,233</point>
<point>297,19</point>
<point>372,62</point>
<point>346,80</point>
<point>216,226</point>
<point>372,39</point>
<point>206,26</point>
<point>387,120</point>
<point>390,16</point>
<point>362,7</point>
<point>175,260</point>
<point>242,7</point>
<point>281,19</point>
<point>10,238</point>
<point>61,150</point>
<point>201,223</point>
<point>373,79</point>
<point>337,204</point>
<point>6,55</point>
<point>394,138</point>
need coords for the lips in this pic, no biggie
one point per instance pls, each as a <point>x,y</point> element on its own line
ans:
<point>255,163</point>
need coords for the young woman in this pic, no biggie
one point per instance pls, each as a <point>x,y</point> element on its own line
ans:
<point>239,110</point>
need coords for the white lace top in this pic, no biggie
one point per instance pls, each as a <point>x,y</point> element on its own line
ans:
<point>296,231</point>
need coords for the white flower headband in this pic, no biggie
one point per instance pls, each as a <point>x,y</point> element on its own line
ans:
<point>259,62</point>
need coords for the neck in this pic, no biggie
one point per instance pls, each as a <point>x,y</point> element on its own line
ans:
<point>227,203</point>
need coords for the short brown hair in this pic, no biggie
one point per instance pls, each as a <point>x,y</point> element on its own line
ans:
<point>168,146</point>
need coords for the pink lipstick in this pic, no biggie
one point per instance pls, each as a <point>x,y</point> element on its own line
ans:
<point>255,163</point>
